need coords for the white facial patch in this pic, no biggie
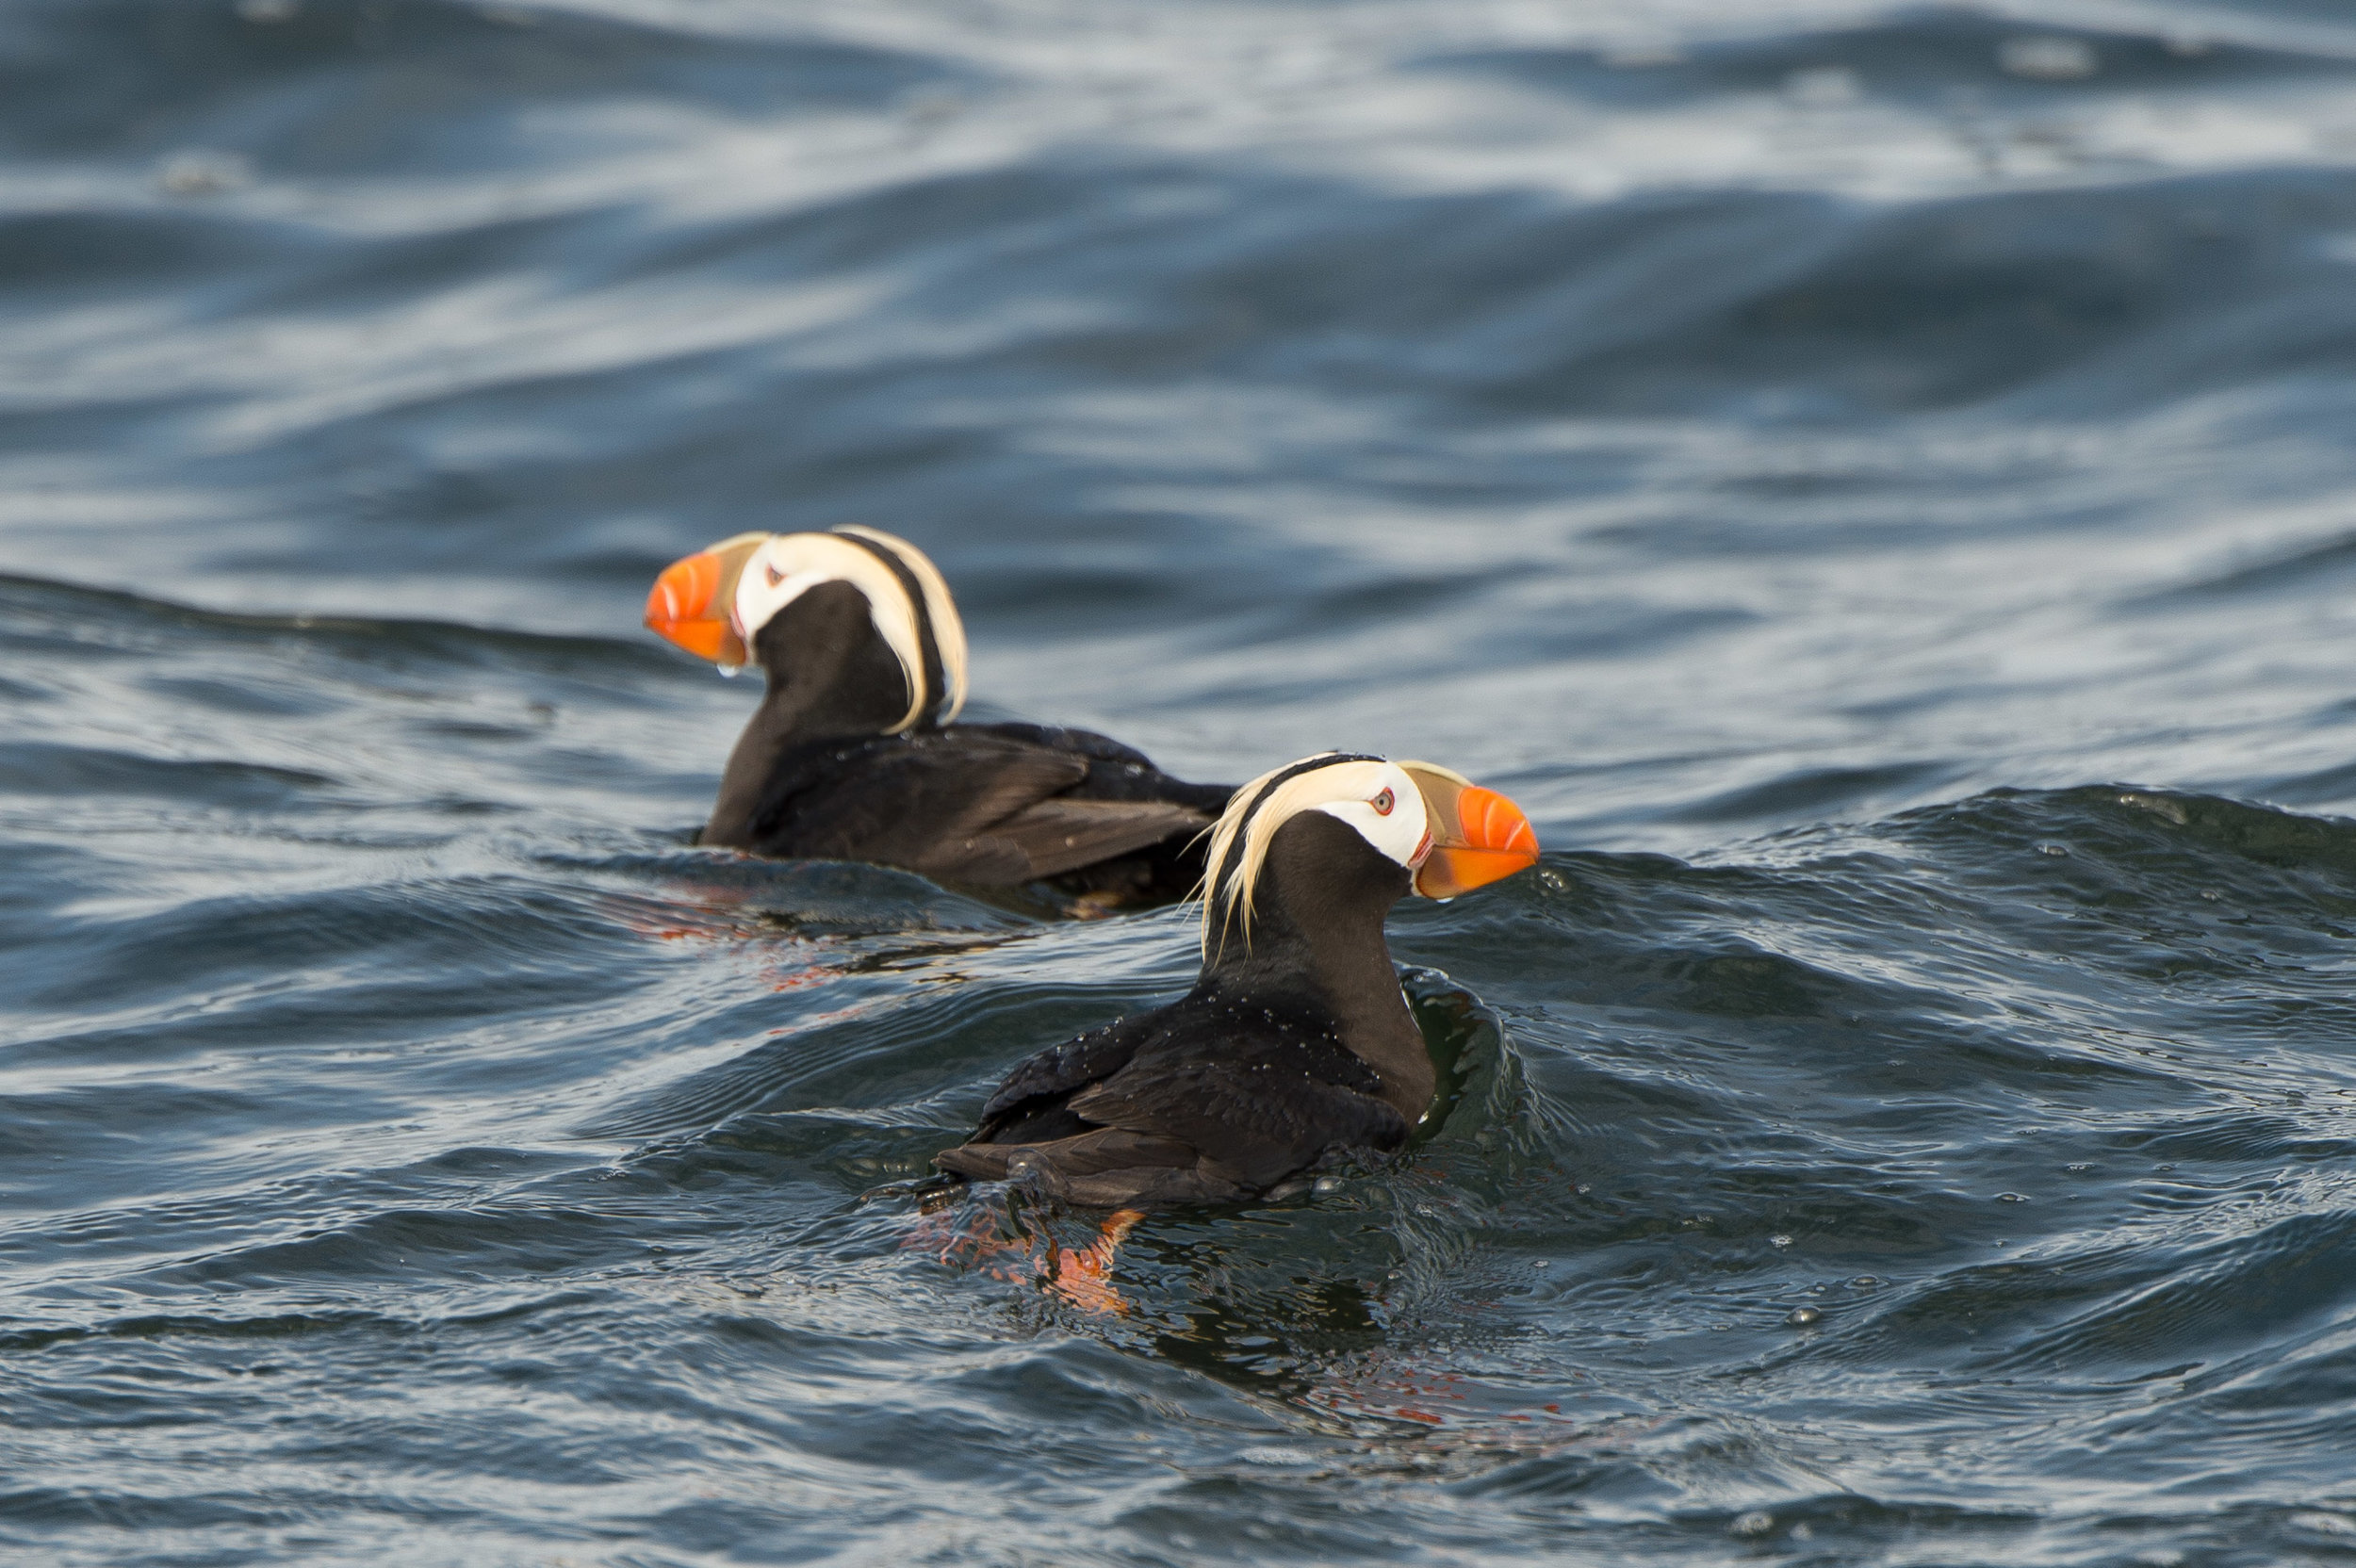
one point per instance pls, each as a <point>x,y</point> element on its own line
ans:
<point>791,565</point>
<point>1385,806</point>
<point>1378,800</point>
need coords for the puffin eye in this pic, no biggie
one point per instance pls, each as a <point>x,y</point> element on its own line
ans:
<point>1383,804</point>
<point>771,572</point>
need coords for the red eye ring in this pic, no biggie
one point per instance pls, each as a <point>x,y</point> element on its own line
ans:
<point>1383,804</point>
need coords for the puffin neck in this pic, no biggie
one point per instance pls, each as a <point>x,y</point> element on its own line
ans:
<point>830,676</point>
<point>1317,943</point>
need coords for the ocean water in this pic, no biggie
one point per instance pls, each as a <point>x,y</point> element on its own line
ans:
<point>1874,481</point>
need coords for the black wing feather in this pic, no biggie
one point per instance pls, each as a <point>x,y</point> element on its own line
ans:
<point>1048,1076</point>
<point>1257,1122</point>
<point>1116,772</point>
<point>1194,1100</point>
<point>966,803</point>
<point>1061,835</point>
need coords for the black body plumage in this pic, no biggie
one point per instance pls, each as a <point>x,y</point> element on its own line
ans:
<point>1291,1047</point>
<point>820,772</point>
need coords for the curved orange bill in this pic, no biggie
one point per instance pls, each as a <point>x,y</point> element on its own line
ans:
<point>1478,836</point>
<point>690,602</point>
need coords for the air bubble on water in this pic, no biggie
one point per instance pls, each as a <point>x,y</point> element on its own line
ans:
<point>1269,1454</point>
<point>1755,1523</point>
<point>1803,1317</point>
<point>2324,1524</point>
<point>1865,1282</point>
<point>2048,60</point>
<point>2050,848</point>
<point>930,105</point>
<point>1329,1183</point>
<point>1822,85</point>
<point>2159,805</point>
<point>2011,1197</point>
<point>1779,1241</point>
<point>198,172</point>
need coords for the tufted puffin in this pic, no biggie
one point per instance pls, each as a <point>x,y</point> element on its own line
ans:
<point>853,755</point>
<point>1296,1042</point>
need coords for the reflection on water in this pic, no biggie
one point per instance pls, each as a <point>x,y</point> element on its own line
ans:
<point>1871,479</point>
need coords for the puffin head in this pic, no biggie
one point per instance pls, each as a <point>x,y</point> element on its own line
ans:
<point>1401,826</point>
<point>718,602</point>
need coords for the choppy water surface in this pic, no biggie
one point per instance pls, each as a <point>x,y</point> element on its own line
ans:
<point>1874,481</point>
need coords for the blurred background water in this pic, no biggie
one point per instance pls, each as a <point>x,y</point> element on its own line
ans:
<point>1874,481</point>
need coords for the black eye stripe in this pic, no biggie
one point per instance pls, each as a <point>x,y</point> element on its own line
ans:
<point>928,650</point>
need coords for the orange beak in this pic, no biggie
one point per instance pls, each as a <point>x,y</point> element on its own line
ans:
<point>691,603</point>
<point>1478,836</point>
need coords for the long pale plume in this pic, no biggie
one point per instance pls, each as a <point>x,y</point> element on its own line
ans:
<point>1242,835</point>
<point>941,610</point>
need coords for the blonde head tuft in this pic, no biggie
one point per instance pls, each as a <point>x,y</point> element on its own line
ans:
<point>940,611</point>
<point>1241,837</point>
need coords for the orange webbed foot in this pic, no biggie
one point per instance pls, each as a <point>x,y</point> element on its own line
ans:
<point>973,1244</point>
<point>1083,1275</point>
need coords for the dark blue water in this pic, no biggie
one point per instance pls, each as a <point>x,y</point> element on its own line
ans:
<point>1874,481</point>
